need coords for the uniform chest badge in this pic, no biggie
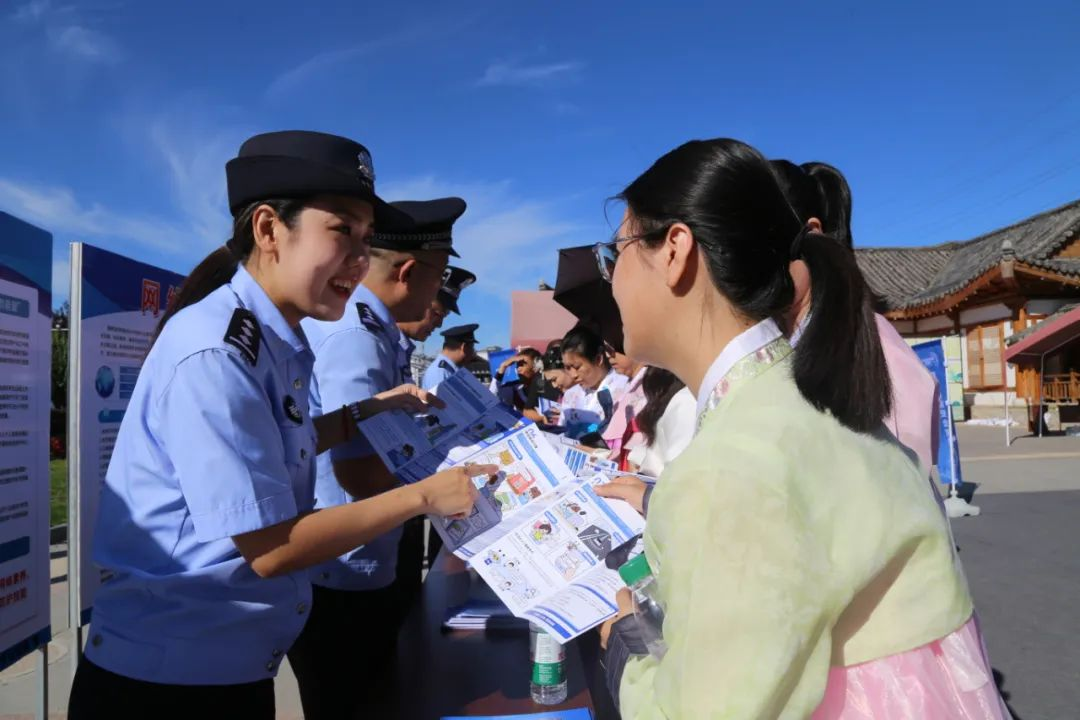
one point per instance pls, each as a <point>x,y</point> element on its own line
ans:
<point>292,410</point>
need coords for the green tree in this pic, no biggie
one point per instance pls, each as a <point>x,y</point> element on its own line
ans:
<point>61,318</point>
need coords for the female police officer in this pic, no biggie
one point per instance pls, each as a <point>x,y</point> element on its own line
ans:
<point>205,518</point>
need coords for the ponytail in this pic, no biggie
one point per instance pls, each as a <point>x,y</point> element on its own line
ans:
<point>839,365</point>
<point>835,194</point>
<point>218,268</point>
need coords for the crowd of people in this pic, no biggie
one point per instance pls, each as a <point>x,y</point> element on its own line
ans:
<point>801,554</point>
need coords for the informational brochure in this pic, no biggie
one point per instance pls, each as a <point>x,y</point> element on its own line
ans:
<point>538,534</point>
<point>547,562</point>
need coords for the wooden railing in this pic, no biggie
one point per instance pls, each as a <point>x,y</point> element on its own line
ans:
<point>1062,389</point>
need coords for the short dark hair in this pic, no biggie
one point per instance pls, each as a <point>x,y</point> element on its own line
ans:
<point>454,344</point>
<point>584,341</point>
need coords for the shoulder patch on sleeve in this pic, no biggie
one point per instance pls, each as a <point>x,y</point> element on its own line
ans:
<point>445,366</point>
<point>368,319</point>
<point>245,335</point>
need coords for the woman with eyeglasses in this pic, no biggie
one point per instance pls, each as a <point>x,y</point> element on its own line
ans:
<point>796,550</point>
<point>586,361</point>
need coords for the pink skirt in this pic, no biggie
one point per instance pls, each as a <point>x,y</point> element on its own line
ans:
<point>948,679</point>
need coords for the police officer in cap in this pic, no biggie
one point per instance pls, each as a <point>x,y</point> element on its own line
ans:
<point>205,521</point>
<point>455,280</point>
<point>349,640</point>
<point>459,348</point>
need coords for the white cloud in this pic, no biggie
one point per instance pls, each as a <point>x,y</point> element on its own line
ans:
<point>194,152</point>
<point>509,242</point>
<point>512,74</point>
<point>294,78</point>
<point>57,210</point>
<point>67,32</point>
<point>83,43</point>
<point>32,11</point>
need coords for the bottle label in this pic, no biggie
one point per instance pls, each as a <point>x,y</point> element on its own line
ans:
<point>548,660</point>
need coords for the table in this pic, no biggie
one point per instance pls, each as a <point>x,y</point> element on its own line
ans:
<point>443,673</point>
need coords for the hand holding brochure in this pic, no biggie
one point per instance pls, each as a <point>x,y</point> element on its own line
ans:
<point>539,535</point>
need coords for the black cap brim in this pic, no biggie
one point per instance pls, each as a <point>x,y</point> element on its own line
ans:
<point>251,179</point>
<point>448,301</point>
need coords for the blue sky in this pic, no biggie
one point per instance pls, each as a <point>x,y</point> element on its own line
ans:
<point>116,116</point>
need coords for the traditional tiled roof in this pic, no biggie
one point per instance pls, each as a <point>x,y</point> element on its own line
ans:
<point>910,277</point>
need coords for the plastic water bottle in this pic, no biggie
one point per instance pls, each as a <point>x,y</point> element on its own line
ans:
<point>548,686</point>
<point>639,577</point>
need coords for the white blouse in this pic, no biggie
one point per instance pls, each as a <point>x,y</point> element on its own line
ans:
<point>673,434</point>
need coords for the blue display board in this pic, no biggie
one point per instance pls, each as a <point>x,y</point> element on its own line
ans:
<point>25,384</point>
<point>116,303</point>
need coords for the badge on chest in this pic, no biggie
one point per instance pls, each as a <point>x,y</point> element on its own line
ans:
<point>292,410</point>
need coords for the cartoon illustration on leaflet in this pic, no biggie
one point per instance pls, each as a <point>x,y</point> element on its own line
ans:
<point>541,531</point>
<point>597,540</point>
<point>458,529</point>
<point>570,562</point>
<point>572,513</point>
<point>509,576</point>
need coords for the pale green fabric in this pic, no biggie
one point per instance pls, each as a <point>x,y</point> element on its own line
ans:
<point>784,542</point>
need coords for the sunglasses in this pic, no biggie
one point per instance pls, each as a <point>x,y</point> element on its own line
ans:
<point>607,254</point>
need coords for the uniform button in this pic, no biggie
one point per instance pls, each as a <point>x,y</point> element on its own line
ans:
<point>276,653</point>
<point>96,640</point>
<point>301,608</point>
<point>297,384</point>
<point>270,667</point>
<point>303,454</point>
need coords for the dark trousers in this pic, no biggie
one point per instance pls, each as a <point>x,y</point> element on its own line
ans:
<point>97,694</point>
<point>345,655</point>
<point>410,563</point>
<point>434,545</point>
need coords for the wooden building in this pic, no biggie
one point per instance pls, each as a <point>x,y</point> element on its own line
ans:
<point>981,291</point>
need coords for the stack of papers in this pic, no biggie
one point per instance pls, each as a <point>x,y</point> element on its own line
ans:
<point>483,610</point>
<point>483,616</point>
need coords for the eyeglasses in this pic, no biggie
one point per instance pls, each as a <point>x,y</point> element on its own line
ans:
<point>607,254</point>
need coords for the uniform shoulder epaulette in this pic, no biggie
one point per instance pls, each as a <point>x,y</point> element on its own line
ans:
<point>244,334</point>
<point>445,366</point>
<point>368,318</point>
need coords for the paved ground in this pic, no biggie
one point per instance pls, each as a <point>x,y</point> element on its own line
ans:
<point>1021,557</point>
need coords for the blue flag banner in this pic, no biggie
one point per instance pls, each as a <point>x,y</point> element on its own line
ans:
<point>932,354</point>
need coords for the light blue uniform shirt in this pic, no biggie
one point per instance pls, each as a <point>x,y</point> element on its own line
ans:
<point>216,441</point>
<point>356,357</point>
<point>442,368</point>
